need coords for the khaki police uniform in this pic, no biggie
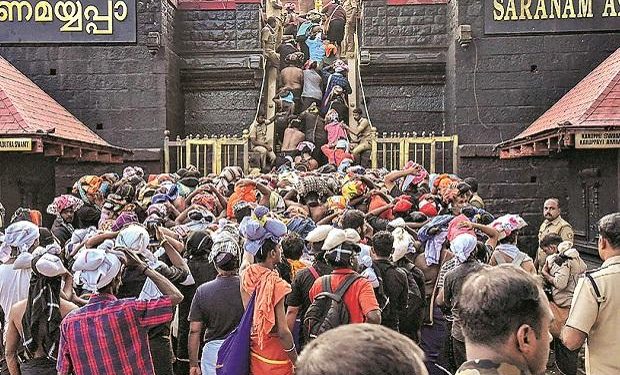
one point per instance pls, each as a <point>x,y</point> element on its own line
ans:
<point>259,132</point>
<point>558,226</point>
<point>599,317</point>
<point>268,37</point>
<point>487,367</point>
<point>351,9</point>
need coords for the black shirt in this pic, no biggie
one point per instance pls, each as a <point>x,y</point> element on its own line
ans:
<point>133,281</point>
<point>299,296</point>
<point>62,231</point>
<point>87,216</point>
<point>218,305</point>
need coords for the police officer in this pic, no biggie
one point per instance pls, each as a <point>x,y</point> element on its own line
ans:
<point>596,302</point>
<point>351,8</point>
<point>268,38</point>
<point>553,224</point>
<point>505,318</point>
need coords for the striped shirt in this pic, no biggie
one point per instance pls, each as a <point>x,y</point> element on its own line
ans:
<point>109,336</point>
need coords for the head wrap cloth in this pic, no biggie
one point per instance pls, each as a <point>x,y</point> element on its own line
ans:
<point>257,228</point>
<point>95,268</point>
<point>21,235</point>
<point>64,202</point>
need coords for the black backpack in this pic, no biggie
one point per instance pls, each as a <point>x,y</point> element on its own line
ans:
<point>411,317</point>
<point>328,309</point>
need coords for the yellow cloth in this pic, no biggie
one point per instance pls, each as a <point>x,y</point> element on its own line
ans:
<point>296,265</point>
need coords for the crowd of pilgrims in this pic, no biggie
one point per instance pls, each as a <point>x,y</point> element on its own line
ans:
<point>312,125</point>
<point>212,244</point>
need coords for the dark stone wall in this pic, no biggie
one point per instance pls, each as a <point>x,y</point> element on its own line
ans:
<point>403,95</point>
<point>219,90</point>
<point>520,186</point>
<point>219,111</point>
<point>219,30</point>
<point>403,26</point>
<point>517,77</point>
<point>121,87</point>
<point>175,105</point>
<point>406,108</point>
<point>26,180</point>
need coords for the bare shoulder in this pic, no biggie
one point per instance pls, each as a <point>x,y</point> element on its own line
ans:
<point>18,309</point>
<point>66,307</point>
<point>16,314</point>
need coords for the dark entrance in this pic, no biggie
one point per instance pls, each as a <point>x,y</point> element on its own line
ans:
<point>593,193</point>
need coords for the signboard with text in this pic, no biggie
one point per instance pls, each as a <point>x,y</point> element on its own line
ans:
<point>543,16</point>
<point>71,21</point>
<point>610,139</point>
<point>15,144</point>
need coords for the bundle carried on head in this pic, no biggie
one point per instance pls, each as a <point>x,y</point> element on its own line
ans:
<point>19,236</point>
<point>259,227</point>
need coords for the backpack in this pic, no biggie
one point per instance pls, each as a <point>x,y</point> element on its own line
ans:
<point>382,298</point>
<point>411,317</point>
<point>303,31</point>
<point>328,309</point>
<point>390,310</point>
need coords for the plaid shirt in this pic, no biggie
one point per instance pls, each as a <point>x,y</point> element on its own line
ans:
<point>109,336</point>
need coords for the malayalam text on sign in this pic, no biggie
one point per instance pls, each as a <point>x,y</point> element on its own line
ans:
<point>71,21</point>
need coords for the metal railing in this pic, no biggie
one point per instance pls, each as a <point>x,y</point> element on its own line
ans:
<point>436,153</point>
<point>210,154</point>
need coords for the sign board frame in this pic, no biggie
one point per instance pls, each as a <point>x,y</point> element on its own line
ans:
<point>550,16</point>
<point>16,144</point>
<point>68,21</point>
<point>597,139</point>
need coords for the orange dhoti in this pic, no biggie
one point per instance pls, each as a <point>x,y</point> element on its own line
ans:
<point>271,359</point>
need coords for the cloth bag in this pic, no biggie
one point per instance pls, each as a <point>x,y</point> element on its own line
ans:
<point>233,358</point>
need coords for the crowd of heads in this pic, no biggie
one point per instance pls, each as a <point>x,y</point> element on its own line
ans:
<point>291,219</point>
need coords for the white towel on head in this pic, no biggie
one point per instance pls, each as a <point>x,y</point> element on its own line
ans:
<point>462,246</point>
<point>21,235</point>
<point>136,239</point>
<point>95,268</point>
<point>50,265</point>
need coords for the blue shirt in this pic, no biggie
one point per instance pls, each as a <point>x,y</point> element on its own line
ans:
<point>316,48</point>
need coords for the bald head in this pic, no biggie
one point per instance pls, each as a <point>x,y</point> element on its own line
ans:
<point>551,209</point>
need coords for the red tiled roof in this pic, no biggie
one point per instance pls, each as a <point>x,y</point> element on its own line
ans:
<point>25,109</point>
<point>593,102</point>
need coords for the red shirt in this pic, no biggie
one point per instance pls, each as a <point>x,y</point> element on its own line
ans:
<point>110,336</point>
<point>359,298</point>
